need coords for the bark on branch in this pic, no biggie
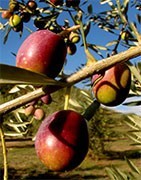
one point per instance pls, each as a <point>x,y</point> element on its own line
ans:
<point>82,74</point>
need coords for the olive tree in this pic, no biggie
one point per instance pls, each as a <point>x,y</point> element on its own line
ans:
<point>76,22</point>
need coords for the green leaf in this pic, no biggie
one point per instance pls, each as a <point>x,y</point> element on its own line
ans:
<point>111,43</point>
<point>135,119</point>
<point>133,103</point>
<point>134,138</point>
<point>104,1</point>
<point>111,174</point>
<point>139,18</point>
<point>14,75</point>
<point>6,34</point>
<point>134,71</point>
<point>90,9</point>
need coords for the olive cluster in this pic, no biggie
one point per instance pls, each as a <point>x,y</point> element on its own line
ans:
<point>33,108</point>
<point>71,41</point>
<point>19,13</point>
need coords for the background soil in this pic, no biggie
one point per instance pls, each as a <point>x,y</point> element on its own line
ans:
<point>24,164</point>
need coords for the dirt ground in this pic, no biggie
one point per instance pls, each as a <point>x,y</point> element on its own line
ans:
<point>24,164</point>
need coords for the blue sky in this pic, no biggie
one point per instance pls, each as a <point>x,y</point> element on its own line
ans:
<point>73,62</point>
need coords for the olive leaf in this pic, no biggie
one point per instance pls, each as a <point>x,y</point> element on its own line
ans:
<point>14,75</point>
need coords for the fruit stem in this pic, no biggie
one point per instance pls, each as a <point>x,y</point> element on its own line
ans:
<point>82,74</point>
<point>67,97</point>
<point>65,32</point>
<point>91,110</point>
<point>5,176</point>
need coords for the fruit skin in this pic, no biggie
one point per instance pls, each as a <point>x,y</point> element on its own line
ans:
<point>6,14</point>
<point>46,99</point>
<point>112,88</point>
<point>43,52</point>
<point>15,20</point>
<point>29,110</point>
<point>32,5</point>
<point>71,48</point>
<point>74,37</point>
<point>39,114</point>
<point>57,2</point>
<point>62,140</point>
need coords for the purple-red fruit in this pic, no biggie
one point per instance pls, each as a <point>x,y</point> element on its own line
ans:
<point>112,87</point>
<point>6,14</point>
<point>43,52</point>
<point>32,5</point>
<point>29,110</point>
<point>39,114</point>
<point>62,140</point>
<point>57,2</point>
<point>47,99</point>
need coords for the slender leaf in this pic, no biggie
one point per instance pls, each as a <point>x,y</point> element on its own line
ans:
<point>112,43</point>
<point>134,139</point>
<point>133,103</point>
<point>139,18</point>
<point>134,71</point>
<point>14,75</point>
<point>90,9</point>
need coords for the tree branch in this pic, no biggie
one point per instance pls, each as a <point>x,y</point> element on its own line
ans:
<point>82,74</point>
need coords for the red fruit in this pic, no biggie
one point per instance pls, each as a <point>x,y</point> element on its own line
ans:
<point>32,5</point>
<point>39,114</point>
<point>29,110</point>
<point>47,99</point>
<point>6,14</point>
<point>57,2</point>
<point>62,140</point>
<point>112,87</point>
<point>43,52</point>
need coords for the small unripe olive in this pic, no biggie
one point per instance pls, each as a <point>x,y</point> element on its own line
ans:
<point>15,20</point>
<point>124,35</point>
<point>74,37</point>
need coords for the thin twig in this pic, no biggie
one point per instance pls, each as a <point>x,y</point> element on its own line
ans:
<point>82,74</point>
<point>5,176</point>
